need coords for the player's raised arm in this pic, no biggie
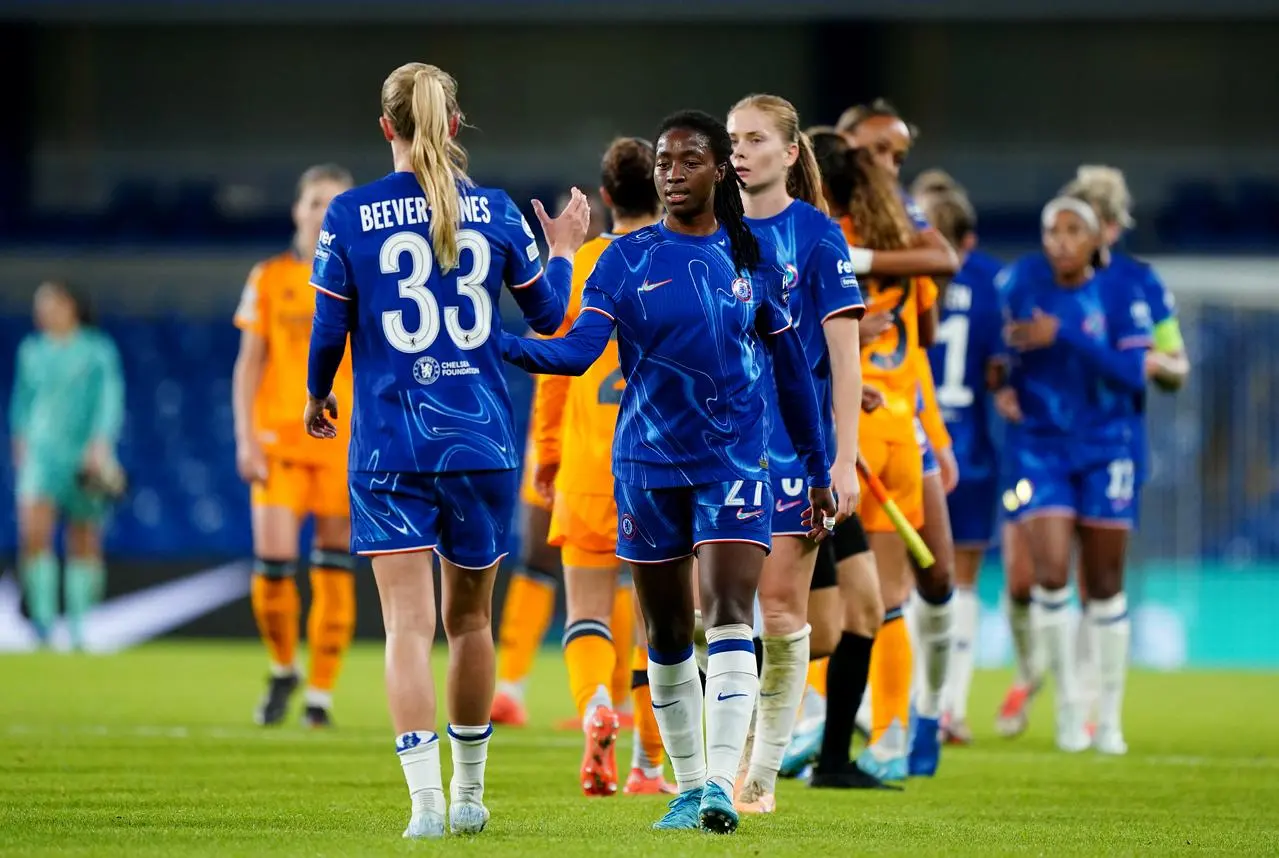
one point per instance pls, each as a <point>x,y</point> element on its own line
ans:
<point>571,354</point>
<point>543,298</point>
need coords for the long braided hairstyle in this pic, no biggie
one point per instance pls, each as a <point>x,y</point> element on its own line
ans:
<point>727,194</point>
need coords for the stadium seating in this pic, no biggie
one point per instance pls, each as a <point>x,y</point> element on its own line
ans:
<point>1199,215</point>
<point>185,498</point>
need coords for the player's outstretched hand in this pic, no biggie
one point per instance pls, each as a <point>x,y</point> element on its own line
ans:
<point>544,480</point>
<point>843,481</point>
<point>317,424</point>
<point>1007,404</point>
<point>565,234</point>
<point>819,518</point>
<point>1038,333</point>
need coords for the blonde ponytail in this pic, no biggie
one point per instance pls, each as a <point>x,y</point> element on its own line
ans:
<point>804,179</point>
<point>421,102</point>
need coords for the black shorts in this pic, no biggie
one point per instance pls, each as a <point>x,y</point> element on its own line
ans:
<point>849,539</point>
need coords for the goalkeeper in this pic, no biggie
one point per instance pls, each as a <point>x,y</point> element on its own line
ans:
<point>65,419</point>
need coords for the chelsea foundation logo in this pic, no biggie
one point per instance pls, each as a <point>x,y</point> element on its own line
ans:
<point>426,370</point>
<point>742,289</point>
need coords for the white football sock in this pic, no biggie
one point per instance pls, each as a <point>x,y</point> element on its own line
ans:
<point>1112,629</point>
<point>781,688</point>
<point>932,622</point>
<point>1086,661</point>
<point>470,747</point>
<point>862,720</point>
<point>1052,631</point>
<point>1026,649</point>
<point>731,689</point>
<point>419,753</point>
<point>963,644</point>
<point>677,705</point>
<point>513,690</point>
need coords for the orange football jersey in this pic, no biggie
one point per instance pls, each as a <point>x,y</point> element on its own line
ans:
<point>586,406</point>
<point>278,305</point>
<point>889,362</point>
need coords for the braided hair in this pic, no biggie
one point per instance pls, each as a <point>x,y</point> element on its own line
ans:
<point>728,190</point>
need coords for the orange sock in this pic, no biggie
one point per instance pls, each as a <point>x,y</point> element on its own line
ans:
<point>890,677</point>
<point>526,615</point>
<point>331,620</point>
<point>589,654</point>
<point>647,736</point>
<point>276,608</point>
<point>817,675</point>
<point>622,625</point>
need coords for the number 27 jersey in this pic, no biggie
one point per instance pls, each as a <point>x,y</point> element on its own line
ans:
<point>430,391</point>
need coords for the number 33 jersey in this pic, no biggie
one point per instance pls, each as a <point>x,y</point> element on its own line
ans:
<point>430,389</point>
<point>574,418</point>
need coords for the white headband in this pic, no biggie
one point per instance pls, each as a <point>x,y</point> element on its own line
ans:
<point>1069,204</point>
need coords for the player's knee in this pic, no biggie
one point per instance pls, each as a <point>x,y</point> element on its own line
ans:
<point>668,633</point>
<point>540,568</point>
<point>823,639</point>
<point>782,618</point>
<point>730,608</point>
<point>467,619</point>
<point>864,615</point>
<point>1053,573</point>
<point>333,533</point>
<point>935,582</point>
<point>276,569</point>
<point>1105,583</point>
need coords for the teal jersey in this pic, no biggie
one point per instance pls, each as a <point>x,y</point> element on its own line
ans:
<point>66,394</point>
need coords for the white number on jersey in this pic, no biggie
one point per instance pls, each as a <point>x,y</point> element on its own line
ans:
<point>1123,478</point>
<point>735,494</point>
<point>953,334</point>
<point>413,287</point>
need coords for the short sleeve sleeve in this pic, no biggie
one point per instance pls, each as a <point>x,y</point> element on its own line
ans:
<point>251,313</point>
<point>1131,324</point>
<point>523,261</point>
<point>773,315</point>
<point>832,283</point>
<point>331,269</point>
<point>1158,298</point>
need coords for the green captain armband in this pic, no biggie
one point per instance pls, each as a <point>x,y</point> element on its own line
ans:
<point>1167,336</point>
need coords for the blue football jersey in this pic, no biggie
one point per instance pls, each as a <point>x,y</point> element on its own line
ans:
<point>820,283</point>
<point>1061,394</point>
<point>694,410</point>
<point>1152,298</point>
<point>968,336</point>
<point>430,392</point>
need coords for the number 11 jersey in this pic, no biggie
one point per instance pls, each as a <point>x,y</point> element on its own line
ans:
<point>430,388</point>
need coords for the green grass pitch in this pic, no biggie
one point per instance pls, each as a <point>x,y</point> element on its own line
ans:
<point>153,753</point>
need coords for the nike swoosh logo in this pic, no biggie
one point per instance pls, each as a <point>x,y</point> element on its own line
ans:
<point>723,696</point>
<point>649,287</point>
<point>782,507</point>
<point>664,705</point>
<point>743,515</point>
<point>129,619</point>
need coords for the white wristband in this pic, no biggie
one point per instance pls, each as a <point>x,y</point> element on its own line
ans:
<point>861,259</point>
